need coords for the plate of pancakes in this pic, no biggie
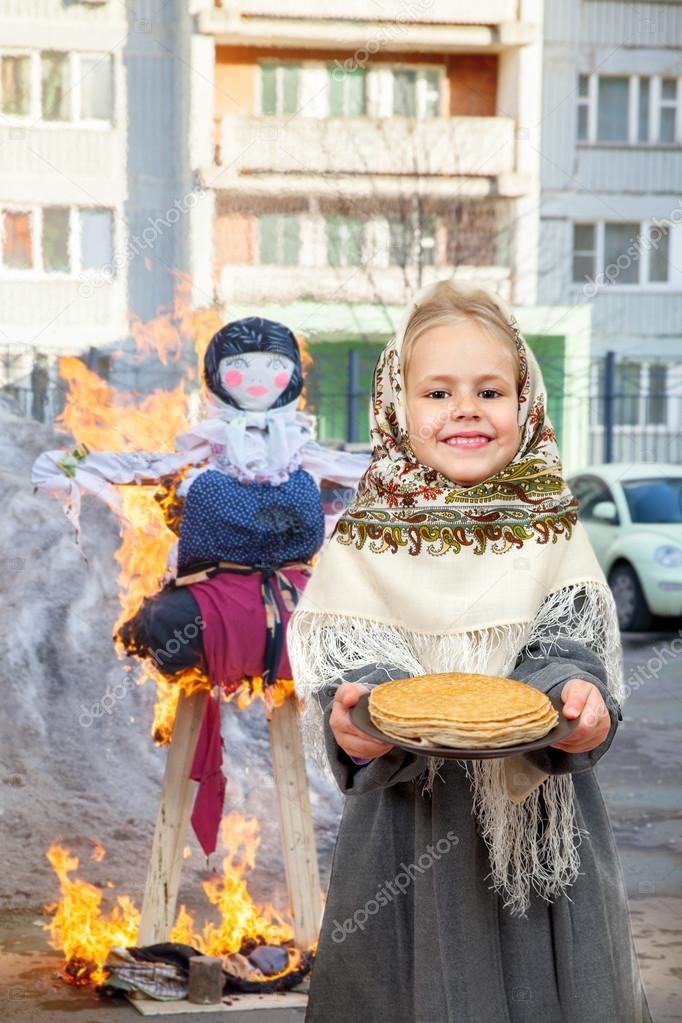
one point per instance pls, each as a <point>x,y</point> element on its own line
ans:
<point>457,715</point>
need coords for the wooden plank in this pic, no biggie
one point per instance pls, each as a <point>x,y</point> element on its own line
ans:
<point>175,808</point>
<point>237,1003</point>
<point>298,838</point>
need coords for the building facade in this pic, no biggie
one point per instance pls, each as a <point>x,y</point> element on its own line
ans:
<point>62,179</point>
<point>93,189</point>
<point>611,225</point>
<point>347,152</point>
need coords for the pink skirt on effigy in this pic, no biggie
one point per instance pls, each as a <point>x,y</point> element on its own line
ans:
<point>234,637</point>
<point>234,631</point>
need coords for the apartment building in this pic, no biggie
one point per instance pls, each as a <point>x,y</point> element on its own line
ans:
<point>611,233</point>
<point>62,178</point>
<point>94,190</point>
<point>355,151</point>
<point>371,148</point>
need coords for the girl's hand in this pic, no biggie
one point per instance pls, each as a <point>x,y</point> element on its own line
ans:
<point>583,699</point>
<point>354,742</point>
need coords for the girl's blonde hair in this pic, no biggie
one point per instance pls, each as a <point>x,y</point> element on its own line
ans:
<point>454,303</point>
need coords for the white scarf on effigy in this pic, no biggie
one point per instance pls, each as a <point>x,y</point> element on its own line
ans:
<point>434,577</point>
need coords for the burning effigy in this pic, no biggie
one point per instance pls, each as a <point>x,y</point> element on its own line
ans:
<point>229,503</point>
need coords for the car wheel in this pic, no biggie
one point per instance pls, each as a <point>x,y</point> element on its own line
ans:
<point>633,612</point>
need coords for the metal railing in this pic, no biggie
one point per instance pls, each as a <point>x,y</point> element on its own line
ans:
<point>631,410</point>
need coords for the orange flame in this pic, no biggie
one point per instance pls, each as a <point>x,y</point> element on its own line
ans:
<point>85,933</point>
<point>99,852</point>
<point>240,917</point>
<point>79,927</point>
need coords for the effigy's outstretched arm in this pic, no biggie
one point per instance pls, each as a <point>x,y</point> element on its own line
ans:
<point>68,474</point>
<point>342,467</point>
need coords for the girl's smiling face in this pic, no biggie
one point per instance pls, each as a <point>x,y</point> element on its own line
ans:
<point>255,380</point>
<point>462,401</point>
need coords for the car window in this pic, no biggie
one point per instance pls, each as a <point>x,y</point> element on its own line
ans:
<point>654,500</point>
<point>589,491</point>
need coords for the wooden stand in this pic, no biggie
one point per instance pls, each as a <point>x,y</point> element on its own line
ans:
<point>296,823</point>
<point>177,795</point>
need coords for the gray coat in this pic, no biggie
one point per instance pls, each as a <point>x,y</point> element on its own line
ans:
<point>427,941</point>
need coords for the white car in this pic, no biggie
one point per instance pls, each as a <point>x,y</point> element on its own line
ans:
<point>633,515</point>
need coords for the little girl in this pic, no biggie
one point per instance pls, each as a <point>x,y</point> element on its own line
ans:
<point>457,894</point>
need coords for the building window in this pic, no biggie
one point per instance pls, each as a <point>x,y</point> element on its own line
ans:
<point>583,106</point>
<point>347,92</point>
<point>55,86</point>
<point>327,90</point>
<point>584,251</point>
<point>426,242</point>
<point>619,253</point>
<point>17,240</point>
<point>479,234</point>
<point>405,93</point>
<point>55,240</point>
<point>279,88</point>
<point>657,395</point>
<point>279,238</point>
<point>659,253</point>
<point>643,112</point>
<point>628,109</point>
<point>640,394</point>
<point>416,93</point>
<point>43,240</point>
<point>96,238</point>
<point>620,264</point>
<point>667,110</point>
<point>70,87</point>
<point>96,88</point>
<point>344,241</point>
<point>410,243</point>
<point>612,109</point>
<point>15,85</point>
<point>400,236</point>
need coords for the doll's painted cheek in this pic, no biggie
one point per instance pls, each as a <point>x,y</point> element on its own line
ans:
<point>282,379</point>
<point>233,378</point>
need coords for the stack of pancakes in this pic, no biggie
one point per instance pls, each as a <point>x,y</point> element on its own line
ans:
<point>461,711</point>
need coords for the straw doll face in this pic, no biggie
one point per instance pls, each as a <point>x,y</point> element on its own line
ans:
<point>255,380</point>
<point>462,401</point>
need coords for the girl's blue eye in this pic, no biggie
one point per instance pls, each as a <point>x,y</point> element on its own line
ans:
<point>237,361</point>
<point>276,362</point>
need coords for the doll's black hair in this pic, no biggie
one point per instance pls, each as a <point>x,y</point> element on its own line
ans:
<point>252,334</point>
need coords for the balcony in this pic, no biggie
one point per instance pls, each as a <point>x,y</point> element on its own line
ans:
<point>368,156</point>
<point>392,286</point>
<point>65,164</point>
<point>442,26</point>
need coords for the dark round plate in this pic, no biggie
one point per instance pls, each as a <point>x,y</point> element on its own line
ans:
<point>359,715</point>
